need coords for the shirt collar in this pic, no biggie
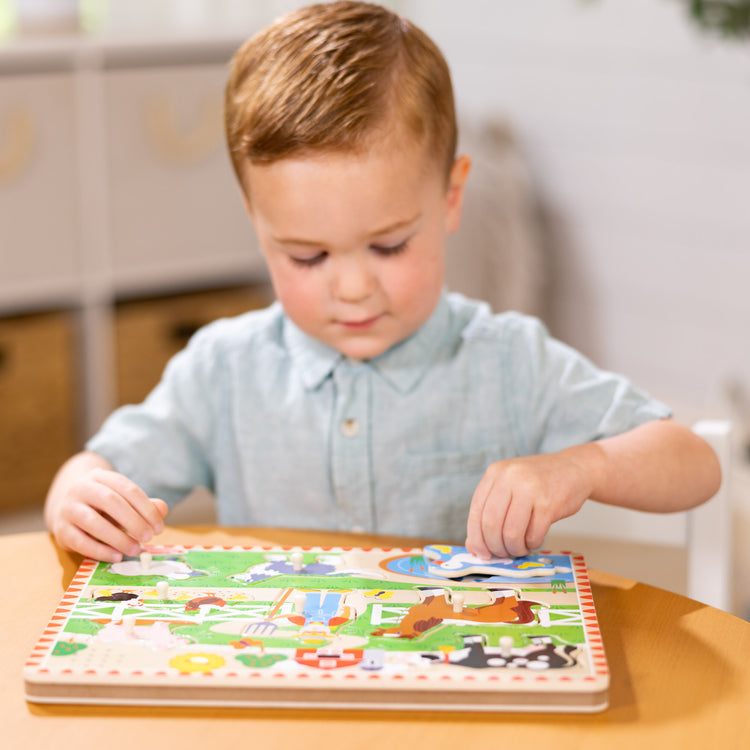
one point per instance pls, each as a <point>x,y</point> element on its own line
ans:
<point>313,360</point>
<point>403,365</point>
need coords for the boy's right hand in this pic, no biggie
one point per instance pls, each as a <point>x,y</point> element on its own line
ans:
<point>102,514</point>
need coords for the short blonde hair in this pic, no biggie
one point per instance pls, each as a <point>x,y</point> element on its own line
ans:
<point>332,76</point>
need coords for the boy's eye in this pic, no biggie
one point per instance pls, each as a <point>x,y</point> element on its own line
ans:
<point>310,261</point>
<point>387,250</point>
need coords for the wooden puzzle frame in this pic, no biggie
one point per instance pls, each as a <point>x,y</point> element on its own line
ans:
<point>318,627</point>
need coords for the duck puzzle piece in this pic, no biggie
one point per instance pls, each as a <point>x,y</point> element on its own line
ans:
<point>450,561</point>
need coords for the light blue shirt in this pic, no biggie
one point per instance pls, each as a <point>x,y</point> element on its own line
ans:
<point>288,432</point>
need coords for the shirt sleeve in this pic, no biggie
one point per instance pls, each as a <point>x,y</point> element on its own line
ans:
<point>560,398</point>
<point>164,443</point>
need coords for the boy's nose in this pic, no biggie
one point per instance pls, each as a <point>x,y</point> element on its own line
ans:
<point>354,281</point>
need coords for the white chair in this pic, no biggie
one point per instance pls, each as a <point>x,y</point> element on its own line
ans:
<point>649,547</point>
<point>709,528</point>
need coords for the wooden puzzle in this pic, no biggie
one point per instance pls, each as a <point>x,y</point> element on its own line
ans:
<point>431,628</point>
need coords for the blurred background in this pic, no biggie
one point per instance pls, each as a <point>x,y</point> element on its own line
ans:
<point>610,196</point>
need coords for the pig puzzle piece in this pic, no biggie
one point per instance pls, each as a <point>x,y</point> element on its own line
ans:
<point>450,561</point>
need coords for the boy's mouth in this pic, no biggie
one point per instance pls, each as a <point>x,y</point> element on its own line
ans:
<point>360,325</point>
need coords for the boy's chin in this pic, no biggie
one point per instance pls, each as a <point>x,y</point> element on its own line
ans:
<point>364,346</point>
<point>363,349</point>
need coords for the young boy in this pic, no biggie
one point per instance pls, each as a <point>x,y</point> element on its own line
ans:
<point>366,397</point>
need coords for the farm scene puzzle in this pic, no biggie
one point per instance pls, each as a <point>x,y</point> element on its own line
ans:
<point>432,627</point>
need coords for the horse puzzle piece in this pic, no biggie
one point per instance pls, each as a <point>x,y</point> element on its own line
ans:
<point>450,561</point>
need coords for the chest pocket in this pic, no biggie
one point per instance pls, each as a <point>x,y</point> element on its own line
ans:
<point>439,487</point>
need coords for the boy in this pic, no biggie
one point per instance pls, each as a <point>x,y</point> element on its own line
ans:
<point>366,397</point>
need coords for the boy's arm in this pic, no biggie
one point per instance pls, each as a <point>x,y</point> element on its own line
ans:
<point>659,466</point>
<point>99,513</point>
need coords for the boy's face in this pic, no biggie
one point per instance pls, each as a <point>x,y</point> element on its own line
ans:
<point>355,243</point>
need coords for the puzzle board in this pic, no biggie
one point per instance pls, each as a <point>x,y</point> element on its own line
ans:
<point>325,627</point>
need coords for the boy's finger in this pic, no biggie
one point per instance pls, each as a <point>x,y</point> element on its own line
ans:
<point>136,498</point>
<point>515,527</point>
<point>114,512</point>
<point>109,518</point>
<point>161,507</point>
<point>77,540</point>
<point>537,531</point>
<point>110,529</point>
<point>475,541</point>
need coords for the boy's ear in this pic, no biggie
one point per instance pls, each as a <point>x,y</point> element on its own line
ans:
<point>455,195</point>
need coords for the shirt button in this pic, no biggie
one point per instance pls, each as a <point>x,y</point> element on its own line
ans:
<point>350,428</point>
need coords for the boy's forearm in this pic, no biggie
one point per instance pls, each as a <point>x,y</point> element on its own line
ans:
<point>73,469</point>
<point>659,466</point>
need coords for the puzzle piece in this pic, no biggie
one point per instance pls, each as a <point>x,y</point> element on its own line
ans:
<point>450,561</point>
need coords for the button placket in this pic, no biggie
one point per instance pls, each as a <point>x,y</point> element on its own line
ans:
<point>350,453</point>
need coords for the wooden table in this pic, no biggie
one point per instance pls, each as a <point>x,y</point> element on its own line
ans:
<point>680,676</point>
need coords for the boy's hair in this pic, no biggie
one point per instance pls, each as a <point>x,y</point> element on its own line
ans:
<point>328,77</point>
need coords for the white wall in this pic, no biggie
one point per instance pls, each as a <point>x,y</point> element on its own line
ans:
<point>637,128</point>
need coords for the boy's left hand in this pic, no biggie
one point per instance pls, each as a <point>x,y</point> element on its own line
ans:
<point>517,500</point>
<point>659,466</point>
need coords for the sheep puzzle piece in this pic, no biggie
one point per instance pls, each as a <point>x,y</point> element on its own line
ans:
<point>431,628</point>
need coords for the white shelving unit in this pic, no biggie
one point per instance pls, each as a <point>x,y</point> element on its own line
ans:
<point>115,183</point>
